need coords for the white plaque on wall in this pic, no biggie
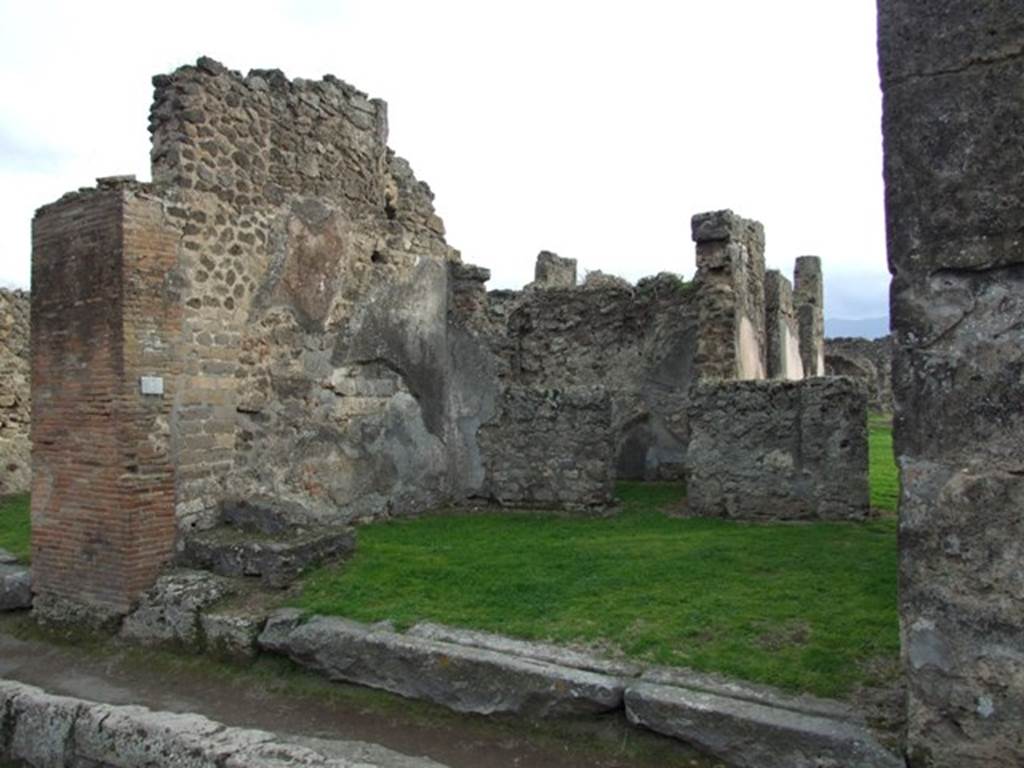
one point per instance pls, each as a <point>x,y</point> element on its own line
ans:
<point>151,385</point>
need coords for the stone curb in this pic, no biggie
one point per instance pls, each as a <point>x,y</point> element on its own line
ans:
<point>753,735</point>
<point>460,677</point>
<point>44,730</point>
<point>748,726</point>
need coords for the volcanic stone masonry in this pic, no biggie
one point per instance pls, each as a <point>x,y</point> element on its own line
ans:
<point>779,450</point>
<point>953,118</point>
<point>276,323</point>
<point>15,462</point>
<point>867,359</point>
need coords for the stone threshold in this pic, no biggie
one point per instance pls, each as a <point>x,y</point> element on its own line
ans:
<point>747,726</point>
<point>42,730</point>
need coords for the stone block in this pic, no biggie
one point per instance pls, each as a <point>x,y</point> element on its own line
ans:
<point>553,271</point>
<point>15,587</point>
<point>170,611</point>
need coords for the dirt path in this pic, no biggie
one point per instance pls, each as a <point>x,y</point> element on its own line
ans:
<point>275,696</point>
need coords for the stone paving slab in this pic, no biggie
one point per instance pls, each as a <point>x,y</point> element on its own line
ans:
<point>752,735</point>
<point>44,730</point>
<point>462,678</point>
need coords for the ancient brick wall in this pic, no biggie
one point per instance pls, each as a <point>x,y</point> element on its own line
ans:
<point>953,116</point>
<point>549,448</point>
<point>731,305</point>
<point>314,285</point>
<point>105,313</point>
<point>15,395</point>
<point>868,359</point>
<point>779,450</point>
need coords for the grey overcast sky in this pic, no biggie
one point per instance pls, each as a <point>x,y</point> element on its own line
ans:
<point>593,129</point>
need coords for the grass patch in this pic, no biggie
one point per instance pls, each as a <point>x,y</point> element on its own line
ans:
<point>15,525</point>
<point>803,606</point>
<point>883,472</point>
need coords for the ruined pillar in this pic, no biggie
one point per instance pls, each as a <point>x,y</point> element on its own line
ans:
<point>553,271</point>
<point>781,328</point>
<point>954,174</point>
<point>105,317</point>
<point>731,303</point>
<point>809,298</point>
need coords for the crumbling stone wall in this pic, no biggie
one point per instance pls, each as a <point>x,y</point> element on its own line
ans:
<point>868,359</point>
<point>809,299</point>
<point>779,450</point>
<point>314,279</point>
<point>106,317</point>
<point>731,305</point>
<point>782,329</point>
<point>638,342</point>
<point>15,399</point>
<point>549,447</point>
<point>954,185</point>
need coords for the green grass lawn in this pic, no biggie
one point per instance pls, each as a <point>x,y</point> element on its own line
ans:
<point>804,606</point>
<point>14,525</point>
<point>884,474</point>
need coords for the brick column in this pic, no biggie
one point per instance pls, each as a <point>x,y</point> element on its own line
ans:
<point>105,321</point>
<point>952,75</point>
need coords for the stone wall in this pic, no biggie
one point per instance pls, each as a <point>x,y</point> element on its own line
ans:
<point>779,450</point>
<point>105,314</point>
<point>868,359</point>
<point>731,304</point>
<point>15,399</point>
<point>638,342</point>
<point>314,278</point>
<point>809,299</point>
<point>549,448</point>
<point>782,329</point>
<point>954,185</point>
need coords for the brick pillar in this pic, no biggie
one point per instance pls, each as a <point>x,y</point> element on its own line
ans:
<point>731,304</point>
<point>105,319</point>
<point>953,117</point>
<point>809,298</point>
<point>781,328</point>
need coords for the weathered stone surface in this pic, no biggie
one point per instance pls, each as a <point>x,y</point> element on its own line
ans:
<point>15,403</point>
<point>6,558</point>
<point>15,587</point>
<point>809,300</point>
<point>550,448</point>
<point>277,559</point>
<point>170,611</point>
<point>751,735</point>
<point>953,113</point>
<point>45,731</point>
<point>553,654</point>
<point>553,271</point>
<point>867,359</point>
<point>463,678</point>
<point>778,450</point>
<point>782,329</point>
<point>731,300</point>
<point>231,633</point>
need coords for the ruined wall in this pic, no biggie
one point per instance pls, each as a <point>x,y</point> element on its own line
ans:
<point>15,397</point>
<point>549,448</point>
<point>954,186</point>
<point>868,359</point>
<point>638,342</point>
<point>105,314</point>
<point>779,450</point>
<point>782,329</point>
<point>314,282</point>
<point>809,300</point>
<point>731,305</point>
